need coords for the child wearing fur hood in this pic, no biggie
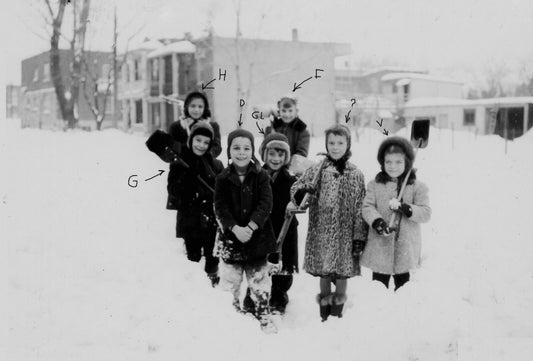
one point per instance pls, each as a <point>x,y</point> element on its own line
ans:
<point>336,229</point>
<point>394,252</point>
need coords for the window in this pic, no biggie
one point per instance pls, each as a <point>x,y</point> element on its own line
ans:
<point>126,71</point>
<point>36,75</point>
<point>406,93</point>
<point>136,69</point>
<point>138,112</point>
<point>155,70</point>
<point>46,72</point>
<point>469,117</point>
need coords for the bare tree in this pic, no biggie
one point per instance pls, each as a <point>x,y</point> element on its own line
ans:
<point>495,75</point>
<point>67,90</point>
<point>96,99</point>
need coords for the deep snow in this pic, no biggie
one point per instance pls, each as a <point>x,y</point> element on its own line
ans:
<point>94,272</point>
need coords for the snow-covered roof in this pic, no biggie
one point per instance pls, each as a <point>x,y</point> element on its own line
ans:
<point>398,76</point>
<point>179,47</point>
<point>441,102</point>
<point>150,44</point>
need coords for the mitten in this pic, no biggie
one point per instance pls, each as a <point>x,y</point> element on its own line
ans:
<point>168,155</point>
<point>300,194</point>
<point>406,209</point>
<point>243,234</point>
<point>381,227</point>
<point>273,258</point>
<point>358,247</point>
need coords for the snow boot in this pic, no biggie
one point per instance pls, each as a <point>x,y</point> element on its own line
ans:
<point>337,305</point>
<point>214,278</point>
<point>324,303</point>
<point>248,304</point>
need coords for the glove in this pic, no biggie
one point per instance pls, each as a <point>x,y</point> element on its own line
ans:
<point>381,227</point>
<point>358,247</point>
<point>243,234</point>
<point>168,155</point>
<point>398,206</point>
<point>300,194</point>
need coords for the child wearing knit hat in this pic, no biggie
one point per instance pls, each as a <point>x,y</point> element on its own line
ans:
<point>243,202</point>
<point>276,155</point>
<point>196,222</point>
<point>394,253</point>
<point>336,228</point>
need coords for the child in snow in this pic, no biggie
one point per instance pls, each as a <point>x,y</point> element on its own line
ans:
<point>276,154</point>
<point>394,253</point>
<point>289,124</point>
<point>196,222</point>
<point>196,109</point>
<point>336,230</point>
<point>243,201</point>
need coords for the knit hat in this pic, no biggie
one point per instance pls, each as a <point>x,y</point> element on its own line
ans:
<point>396,145</point>
<point>201,128</point>
<point>340,129</point>
<point>240,132</point>
<point>275,141</point>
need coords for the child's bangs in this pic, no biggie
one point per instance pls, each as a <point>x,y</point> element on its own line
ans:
<point>394,149</point>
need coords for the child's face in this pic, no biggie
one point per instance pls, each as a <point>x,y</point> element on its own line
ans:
<point>275,158</point>
<point>394,164</point>
<point>241,152</point>
<point>288,114</point>
<point>196,108</point>
<point>337,146</point>
<point>200,144</point>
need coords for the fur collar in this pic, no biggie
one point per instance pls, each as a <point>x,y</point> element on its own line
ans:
<point>297,124</point>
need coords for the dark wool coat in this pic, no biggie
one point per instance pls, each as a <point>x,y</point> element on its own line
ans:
<point>281,182</point>
<point>192,199</point>
<point>385,254</point>
<point>335,220</point>
<point>295,131</point>
<point>237,203</point>
<point>181,135</point>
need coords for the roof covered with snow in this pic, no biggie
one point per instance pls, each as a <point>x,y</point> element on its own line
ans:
<point>399,76</point>
<point>442,102</point>
<point>179,47</point>
<point>149,44</point>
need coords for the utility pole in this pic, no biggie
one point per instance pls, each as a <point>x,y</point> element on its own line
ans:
<point>115,71</point>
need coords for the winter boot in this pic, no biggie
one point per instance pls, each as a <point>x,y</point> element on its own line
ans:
<point>248,304</point>
<point>337,304</point>
<point>214,278</point>
<point>324,302</point>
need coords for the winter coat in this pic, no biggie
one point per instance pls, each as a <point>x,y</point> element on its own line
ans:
<point>335,220</point>
<point>281,183</point>
<point>180,135</point>
<point>193,200</point>
<point>239,203</point>
<point>295,131</point>
<point>384,254</point>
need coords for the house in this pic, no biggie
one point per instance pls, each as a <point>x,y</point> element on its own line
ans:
<point>154,70</point>
<point>38,102</point>
<point>12,101</point>
<point>507,117</point>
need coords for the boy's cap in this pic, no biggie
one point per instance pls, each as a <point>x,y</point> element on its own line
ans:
<point>240,132</point>
<point>287,101</point>
<point>201,128</point>
<point>275,141</point>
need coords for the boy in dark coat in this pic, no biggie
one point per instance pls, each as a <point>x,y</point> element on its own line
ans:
<point>289,124</point>
<point>243,202</point>
<point>275,152</point>
<point>196,222</point>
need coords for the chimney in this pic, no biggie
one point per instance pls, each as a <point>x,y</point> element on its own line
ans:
<point>294,34</point>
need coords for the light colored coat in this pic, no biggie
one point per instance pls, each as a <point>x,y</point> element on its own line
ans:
<point>335,220</point>
<point>382,253</point>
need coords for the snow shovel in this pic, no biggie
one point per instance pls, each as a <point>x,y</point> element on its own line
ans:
<point>159,141</point>
<point>419,139</point>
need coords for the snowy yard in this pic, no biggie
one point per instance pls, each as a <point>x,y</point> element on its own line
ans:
<point>94,272</point>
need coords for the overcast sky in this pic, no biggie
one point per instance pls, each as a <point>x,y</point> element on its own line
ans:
<point>439,35</point>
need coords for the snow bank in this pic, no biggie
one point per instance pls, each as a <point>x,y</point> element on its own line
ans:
<point>94,271</point>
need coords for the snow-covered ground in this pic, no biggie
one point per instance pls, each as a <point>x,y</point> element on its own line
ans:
<point>94,272</point>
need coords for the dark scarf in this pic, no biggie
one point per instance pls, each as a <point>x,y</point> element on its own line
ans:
<point>340,164</point>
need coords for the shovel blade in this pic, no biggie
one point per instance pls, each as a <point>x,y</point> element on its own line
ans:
<point>420,133</point>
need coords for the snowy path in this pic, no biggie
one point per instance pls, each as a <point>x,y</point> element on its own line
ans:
<point>94,271</point>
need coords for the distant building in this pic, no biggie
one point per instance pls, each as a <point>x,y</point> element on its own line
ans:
<point>507,117</point>
<point>39,105</point>
<point>153,70</point>
<point>12,101</point>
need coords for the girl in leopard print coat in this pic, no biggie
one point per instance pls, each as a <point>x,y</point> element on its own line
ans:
<point>336,226</point>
